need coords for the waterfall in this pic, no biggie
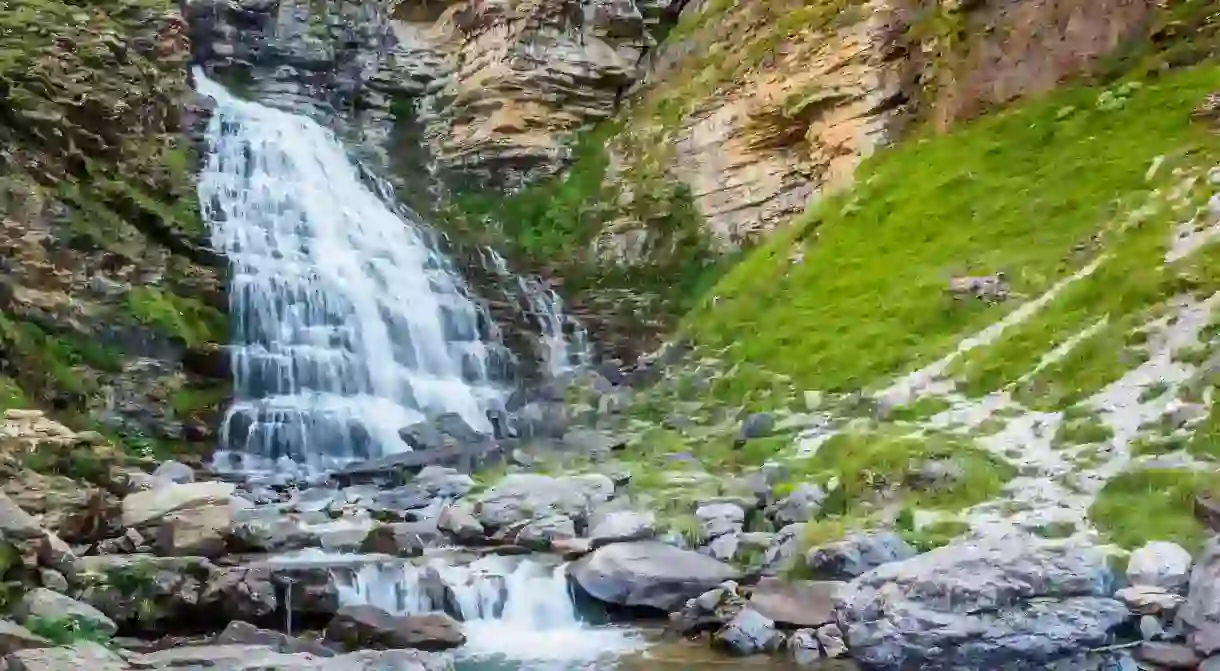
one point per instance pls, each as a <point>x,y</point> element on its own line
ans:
<point>561,352</point>
<point>512,608</point>
<point>348,324</point>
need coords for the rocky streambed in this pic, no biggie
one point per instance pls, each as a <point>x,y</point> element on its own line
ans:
<point>438,570</point>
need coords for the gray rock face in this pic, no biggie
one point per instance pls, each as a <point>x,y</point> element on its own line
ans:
<point>398,540</point>
<point>783,549</point>
<point>1160,564</point>
<point>460,523</point>
<point>622,526</point>
<point>803,649</point>
<point>241,593</point>
<point>749,633</point>
<point>856,554</point>
<point>175,472</point>
<point>151,506</point>
<point>1013,603</point>
<point>357,627</point>
<point>757,425</point>
<point>237,657</point>
<point>523,497</point>
<point>16,523</point>
<point>1200,615</point>
<point>44,604</point>
<point>84,655</point>
<point>797,604</point>
<point>14,637</point>
<point>718,519</point>
<point>801,505</point>
<point>539,534</point>
<point>195,532</point>
<point>243,633</point>
<point>648,573</point>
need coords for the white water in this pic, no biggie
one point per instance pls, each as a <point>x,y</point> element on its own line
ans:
<point>348,324</point>
<point>513,609</point>
<point>561,353</point>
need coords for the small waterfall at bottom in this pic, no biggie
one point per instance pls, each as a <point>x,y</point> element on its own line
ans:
<point>516,612</point>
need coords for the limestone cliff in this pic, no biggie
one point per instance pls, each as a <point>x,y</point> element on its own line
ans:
<point>110,305</point>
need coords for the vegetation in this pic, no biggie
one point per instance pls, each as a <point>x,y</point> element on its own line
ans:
<point>67,630</point>
<point>1156,504</point>
<point>185,318</point>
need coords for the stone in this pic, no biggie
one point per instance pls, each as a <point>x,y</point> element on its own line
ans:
<point>718,519</point>
<point>622,526</point>
<point>243,593</point>
<point>802,505</point>
<point>799,604</point>
<point>243,633</point>
<point>355,627</point>
<point>1148,600</point>
<point>804,649</point>
<point>16,523</point>
<point>1160,564</point>
<point>1151,628</point>
<point>1167,655</point>
<point>856,554</point>
<point>757,425</point>
<point>539,533</point>
<point>14,637</point>
<point>981,603</point>
<point>749,633</point>
<point>244,657</point>
<point>82,655</point>
<point>783,550</point>
<point>461,524</point>
<point>443,482</point>
<point>393,539</point>
<point>53,580</point>
<point>648,573</point>
<point>195,532</point>
<point>175,472</point>
<point>151,506</point>
<point>1199,617</point>
<point>831,638</point>
<point>723,548</point>
<point>525,496</point>
<point>44,604</point>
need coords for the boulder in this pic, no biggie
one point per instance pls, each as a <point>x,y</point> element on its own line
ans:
<point>526,496</point>
<point>14,637</point>
<point>1166,655</point>
<point>1160,564</point>
<point>622,526</point>
<point>15,523</point>
<point>443,482</point>
<point>243,593</point>
<point>356,627</point>
<point>831,638</point>
<point>243,633</point>
<point>749,633</point>
<point>238,657</point>
<point>1199,617</point>
<point>1148,600</point>
<point>804,650</point>
<point>719,519</point>
<point>82,655</point>
<point>1008,602</point>
<point>151,506</point>
<point>461,524</point>
<point>795,604</point>
<point>757,425</point>
<point>783,549</point>
<point>648,573</point>
<point>175,472</point>
<point>195,532</point>
<point>802,505</point>
<point>397,540</point>
<point>538,534</point>
<point>44,604</point>
<point>856,554</point>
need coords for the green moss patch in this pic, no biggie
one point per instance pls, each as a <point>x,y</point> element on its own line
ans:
<point>1156,504</point>
<point>179,316</point>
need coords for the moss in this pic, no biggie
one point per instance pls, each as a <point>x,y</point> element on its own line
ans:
<point>1146,505</point>
<point>1016,191</point>
<point>185,318</point>
<point>66,630</point>
<point>922,408</point>
<point>188,401</point>
<point>932,536</point>
<point>1082,431</point>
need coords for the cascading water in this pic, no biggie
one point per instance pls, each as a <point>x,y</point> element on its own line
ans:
<point>348,324</point>
<point>513,610</point>
<point>561,352</point>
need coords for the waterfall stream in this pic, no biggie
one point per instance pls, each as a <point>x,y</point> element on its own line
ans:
<point>513,609</point>
<point>348,323</point>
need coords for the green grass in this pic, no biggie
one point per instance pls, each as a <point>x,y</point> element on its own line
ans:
<point>1146,505</point>
<point>179,316</point>
<point>1013,192</point>
<point>66,630</point>
<point>1082,431</point>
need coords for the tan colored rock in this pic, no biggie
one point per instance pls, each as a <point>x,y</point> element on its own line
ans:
<point>195,532</point>
<point>151,506</point>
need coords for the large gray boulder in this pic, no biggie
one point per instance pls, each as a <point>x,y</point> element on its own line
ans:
<point>621,526</point>
<point>749,633</point>
<point>526,496</point>
<point>358,627</point>
<point>1159,564</point>
<point>856,554</point>
<point>1200,615</point>
<point>1014,602</point>
<point>14,637</point>
<point>648,573</point>
<point>44,604</point>
<point>83,655</point>
<point>239,657</point>
<point>149,507</point>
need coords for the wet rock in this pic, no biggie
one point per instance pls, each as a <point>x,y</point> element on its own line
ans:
<point>355,627</point>
<point>460,523</point>
<point>749,633</point>
<point>571,549</point>
<point>796,604</point>
<point>804,649</point>
<point>151,506</point>
<point>983,603</point>
<point>242,593</point>
<point>82,655</point>
<point>1167,655</point>
<point>802,505</point>
<point>237,657</point>
<point>1149,600</point>
<point>1199,617</point>
<point>242,633</point>
<point>648,573</point>
<point>1160,564</point>
<point>195,532</point>
<point>175,472</point>
<point>539,534</point>
<point>622,526</point>
<point>44,604</point>
<point>856,554</point>
<point>757,425</point>
<point>782,550</point>
<point>831,638</point>
<point>522,497</point>
<point>14,637</point>
<point>718,519</point>
<point>393,539</point>
<point>1151,628</point>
